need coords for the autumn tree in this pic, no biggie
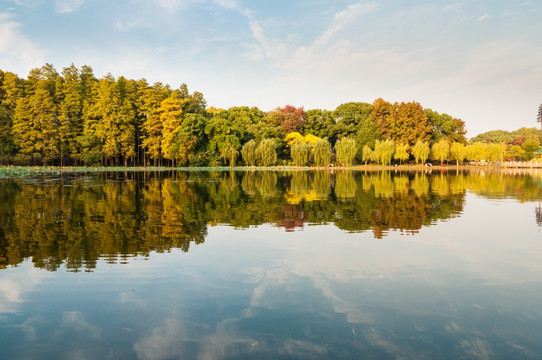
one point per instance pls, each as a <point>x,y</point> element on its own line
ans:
<point>151,129</point>
<point>170,114</point>
<point>35,127</point>
<point>11,90</point>
<point>288,118</point>
<point>404,122</point>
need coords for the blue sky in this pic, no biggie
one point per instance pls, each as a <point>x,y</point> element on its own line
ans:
<point>479,60</point>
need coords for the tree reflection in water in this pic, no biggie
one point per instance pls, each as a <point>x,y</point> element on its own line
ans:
<point>77,220</point>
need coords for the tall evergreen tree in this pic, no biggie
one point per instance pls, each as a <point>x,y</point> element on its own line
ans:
<point>11,89</point>
<point>151,130</point>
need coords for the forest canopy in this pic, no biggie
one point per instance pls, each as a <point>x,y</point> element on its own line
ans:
<point>72,117</point>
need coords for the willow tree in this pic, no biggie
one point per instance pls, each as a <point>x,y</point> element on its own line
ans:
<point>440,151</point>
<point>367,154</point>
<point>322,152</point>
<point>229,154</point>
<point>458,152</point>
<point>496,152</point>
<point>421,151</point>
<point>248,153</point>
<point>401,152</point>
<point>266,152</point>
<point>383,152</point>
<point>346,150</point>
<point>300,153</point>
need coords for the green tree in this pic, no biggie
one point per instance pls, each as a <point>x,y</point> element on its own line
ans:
<point>127,117</point>
<point>248,153</point>
<point>221,133</point>
<point>346,150</point>
<point>319,123</point>
<point>300,153</point>
<point>229,153</point>
<point>244,118</point>
<point>446,127</point>
<point>192,139</point>
<point>70,114</point>
<point>367,154</point>
<point>322,152</point>
<point>352,120</point>
<point>266,152</point>
<point>530,147</point>
<point>516,153</point>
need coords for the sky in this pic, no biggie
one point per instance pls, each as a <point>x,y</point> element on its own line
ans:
<point>477,60</point>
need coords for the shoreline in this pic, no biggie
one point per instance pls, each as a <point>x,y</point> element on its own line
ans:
<point>18,171</point>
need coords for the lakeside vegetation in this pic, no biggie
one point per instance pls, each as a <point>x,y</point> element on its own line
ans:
<point>73,118</point>
<point>79,219</point>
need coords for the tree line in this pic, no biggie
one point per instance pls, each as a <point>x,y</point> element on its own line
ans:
<point>74,118</point>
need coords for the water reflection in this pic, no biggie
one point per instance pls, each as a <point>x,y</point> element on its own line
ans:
<point>304,279</point>
<point>79,219</point>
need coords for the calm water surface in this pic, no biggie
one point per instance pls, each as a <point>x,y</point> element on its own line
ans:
<point>268,265</point>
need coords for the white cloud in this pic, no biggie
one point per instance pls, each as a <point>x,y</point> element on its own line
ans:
<point>67,6</point>
<point>76,321</point>
<point>17,52</point>
<point>483,17</point>
<point>228,4</point>
<point>176,5</point>
<point>164,343</point>
<point>27,3</point>
<point>123,27</point>
<point>343,18</point>
<point>15,288</point>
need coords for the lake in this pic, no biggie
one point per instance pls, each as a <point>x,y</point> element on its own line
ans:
<point>272,265</point>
